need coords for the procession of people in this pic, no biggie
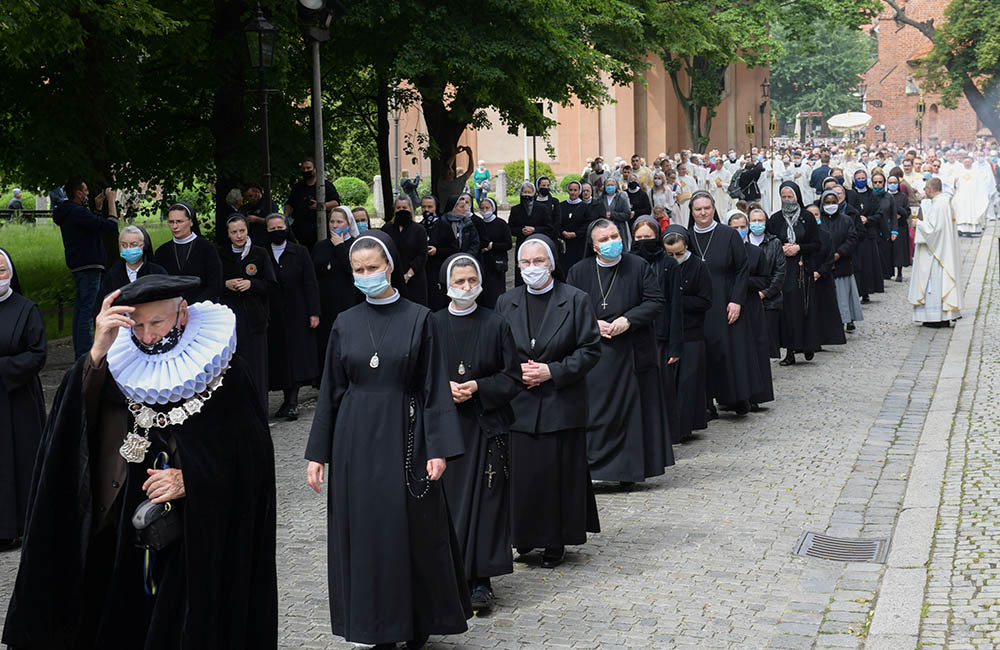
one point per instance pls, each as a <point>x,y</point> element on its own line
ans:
<point>476,377</point>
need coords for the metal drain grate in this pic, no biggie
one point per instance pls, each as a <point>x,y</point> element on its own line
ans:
<point>842,550</point>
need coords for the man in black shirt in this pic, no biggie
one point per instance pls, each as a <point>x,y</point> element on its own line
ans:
<point>300,208</point>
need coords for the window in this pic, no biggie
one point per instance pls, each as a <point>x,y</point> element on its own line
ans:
<point>911,86</point>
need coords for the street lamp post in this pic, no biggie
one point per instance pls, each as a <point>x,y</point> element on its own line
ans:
<point>397,111</point>
<point>260,36</point>
<point>765,94</point>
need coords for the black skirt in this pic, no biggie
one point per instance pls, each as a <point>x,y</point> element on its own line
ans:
<point>689,380</point>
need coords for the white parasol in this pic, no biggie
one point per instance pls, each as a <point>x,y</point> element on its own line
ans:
<point>849,122</point>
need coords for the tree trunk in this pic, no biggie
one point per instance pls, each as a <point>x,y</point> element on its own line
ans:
<point>228,121</point>
<point>382,142</point>
<point>444,132</point>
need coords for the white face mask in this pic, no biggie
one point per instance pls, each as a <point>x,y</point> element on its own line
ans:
<point>657,181</point>
<point>464,298</point>
<point>830,208</point>
<point>4,286</point>
<point>487,214</point>
<point>535,276</point>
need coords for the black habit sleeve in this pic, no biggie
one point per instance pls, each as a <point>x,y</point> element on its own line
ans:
<point>18,369</point>
<point>497,390</point>
<point>417,239</point>
<point>211,276</point>
<point>777,271</point>
<point>674,307</point>
<point>331,390</point>
<point>652,300</point>
<point>442,431</point>
<point>587,353</point>
<point>699,298</point>
<point>309,285</point>
<point>738,255</point>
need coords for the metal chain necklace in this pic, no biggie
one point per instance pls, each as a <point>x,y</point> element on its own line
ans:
<point>373,362</point>
<point>707,246</point>
<point>135,445</point>
<point>461,350</point>
<point>600,285</point>
<point>190,245</point>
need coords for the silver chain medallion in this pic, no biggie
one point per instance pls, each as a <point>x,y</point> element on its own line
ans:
<point>374,361</point>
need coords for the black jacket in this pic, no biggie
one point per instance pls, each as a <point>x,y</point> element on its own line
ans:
<point>817,176</point>
<point>696,296</point>
<point>569,341</point>
<point>251,306</point>
<point>775,261</point>
<point>202,261</point>
<point>81,234</point>
<point>844,238</point>
<point>748,181</point>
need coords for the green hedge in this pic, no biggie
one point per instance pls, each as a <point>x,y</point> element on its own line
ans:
<point>27,199</point>
<point>567,179</point>
<point>353,191</point>
<point>515,172</point>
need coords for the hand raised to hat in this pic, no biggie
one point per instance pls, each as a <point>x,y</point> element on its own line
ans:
<point>106,327</point>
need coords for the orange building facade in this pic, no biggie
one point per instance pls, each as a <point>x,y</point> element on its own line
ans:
<point>643,118</point>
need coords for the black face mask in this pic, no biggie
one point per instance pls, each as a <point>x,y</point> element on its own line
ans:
<point>526,199</point>
<point>402,217</point>
<point>839,179</point>
<point>633,186</point>
<point>308,175</point>
<point>647,249</point>
<point>544,191</point>
<point>277,237</point>
<point>167,343</point>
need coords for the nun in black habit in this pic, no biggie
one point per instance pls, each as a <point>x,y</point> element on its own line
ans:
<point>495,244</point>
<point>689,371</point>
<point>628,438</point>
<point>867,259</point>
<point>410,239</point>
<point>575,216</point>
<point>386,424</point>
<point>485,377</point>
<point>188,253</point>
<point>825,317</point>
<point>558,342</point>
<point>23,347</point>
<point>249,281</point>
<point>727,334</point>
<point>337,292</point>
<point>796,228</point>
<point>135,260</point>
<point>295,309</point>
<point>530,217</point>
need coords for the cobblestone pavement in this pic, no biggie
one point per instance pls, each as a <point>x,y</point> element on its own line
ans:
<point>700,557</point>
<point>962,600</point>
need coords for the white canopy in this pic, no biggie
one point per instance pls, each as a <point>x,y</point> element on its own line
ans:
<point>849,122</point>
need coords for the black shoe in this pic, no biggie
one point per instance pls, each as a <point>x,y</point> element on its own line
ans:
<point>482,599</point>
<point>523,551</point>
<point>553,557</point>
<point>742,408</point>
<point>626,485</point>
<point>850,327</point>
<point>292,413</point>
<point>865,300</point>
<point>282,410</point>
<point>757,408</point>
<point>711,413</point>
<point>809,355</point>
<point>899,278</point>
<point>787,361</point>
<point>416,644</point>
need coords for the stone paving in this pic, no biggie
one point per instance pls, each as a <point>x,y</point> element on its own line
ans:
<point>701,557</point>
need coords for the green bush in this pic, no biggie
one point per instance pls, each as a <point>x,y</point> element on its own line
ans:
<point>27,199</point>
<point>515,172</point>
<point>352,190</point>
<point>567,179</point>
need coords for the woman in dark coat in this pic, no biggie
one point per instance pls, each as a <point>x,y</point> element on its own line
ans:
<point>530,217</point>
<point>558,342</point>
<point>495,244</point>
<point>188,253</point>
<point>411,241</point>
<point>825,317</point>
<point>575,216</point>
<point>337,292</point>
<point>727,335</point>
<point>23,348</point>
<point>386,425</point>
<point>135,260</point>
<point>771,294</point>
<point>249,280</point>
<point>759,277</point>
<point>796,228</point>
<point>441,244</point>
<point>867,258</point>
<point>485,377</point>
<point>291,335</point>
<point>458,216</point>
<point>887,209</point>
<point>899,223</point>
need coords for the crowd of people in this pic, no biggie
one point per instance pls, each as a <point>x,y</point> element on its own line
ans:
<point>460,417</point>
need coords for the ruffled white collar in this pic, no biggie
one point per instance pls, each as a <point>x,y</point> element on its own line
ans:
<point>187,240</point>
<point>203,353</point>
<point>383,301</point>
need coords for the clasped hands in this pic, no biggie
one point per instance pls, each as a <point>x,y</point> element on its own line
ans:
<point>164,485</point>
<point>618,326</point>
<point>238,284</point>
<point>463,392</point>
<point>534,373</point>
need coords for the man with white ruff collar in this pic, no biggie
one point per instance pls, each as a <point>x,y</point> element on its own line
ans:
<point>152,520</point>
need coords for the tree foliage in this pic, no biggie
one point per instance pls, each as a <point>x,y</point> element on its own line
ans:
<point>821,73</point>
<point>704,38</point>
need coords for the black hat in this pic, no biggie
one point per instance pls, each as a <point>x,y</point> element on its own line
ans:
<point>677,229</point>
<point>150,288</point>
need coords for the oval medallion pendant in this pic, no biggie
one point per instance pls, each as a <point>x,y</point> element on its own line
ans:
<point>461,368</point>
<point>374,361</point>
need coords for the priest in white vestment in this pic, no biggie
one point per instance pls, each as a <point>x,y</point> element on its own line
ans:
<point>971,199</point>
<point>935,285</point>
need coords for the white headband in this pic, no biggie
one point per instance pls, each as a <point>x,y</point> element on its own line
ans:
<point>464,256</point>
<point>385,248</point>
<point>540,242</point>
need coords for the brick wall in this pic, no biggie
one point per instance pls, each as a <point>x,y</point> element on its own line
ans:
<point>887,81</point>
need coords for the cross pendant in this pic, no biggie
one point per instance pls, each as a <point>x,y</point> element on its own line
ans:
<point>489,476</point>
<point>604,304</point>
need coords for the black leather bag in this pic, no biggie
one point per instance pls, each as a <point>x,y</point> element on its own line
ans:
<point>157,525</point>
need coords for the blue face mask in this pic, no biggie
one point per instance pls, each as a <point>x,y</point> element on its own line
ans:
<point>758,227</point>
<point>371,285</point>
<point>893,187</point>
<point>611,250</point>
<point>363,226</point>
<point>927,176</point>
<point>340,231</point>
<point>743,233</point>
<point>609,189</point>
<point>131,255</point>
<point>860,183</point>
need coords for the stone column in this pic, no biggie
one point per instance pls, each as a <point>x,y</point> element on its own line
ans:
<point>502,190</point>
<point>377,192</point>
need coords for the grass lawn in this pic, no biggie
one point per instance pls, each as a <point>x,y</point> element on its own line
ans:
<point>37,253</point>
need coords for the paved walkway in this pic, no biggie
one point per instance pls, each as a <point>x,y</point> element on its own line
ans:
<point>701,557</point>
